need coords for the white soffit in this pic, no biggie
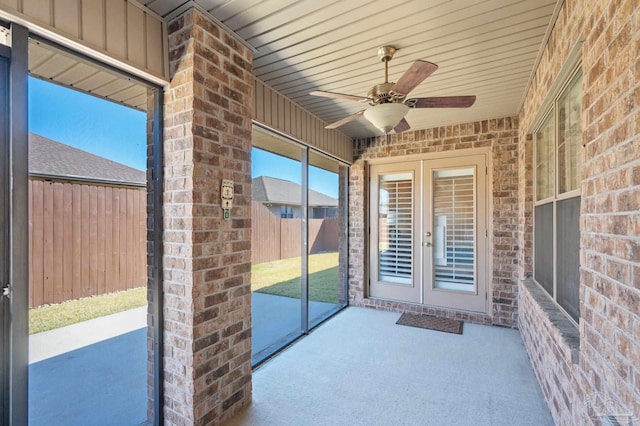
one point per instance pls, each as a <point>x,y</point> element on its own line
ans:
<point>486,48</point>
<point>61,67</point>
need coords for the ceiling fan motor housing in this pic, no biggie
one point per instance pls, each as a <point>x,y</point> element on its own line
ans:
<point>379,93</point>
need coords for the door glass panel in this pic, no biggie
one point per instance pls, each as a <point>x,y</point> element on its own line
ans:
<point>395,227</point>
<point>454,229</point>
<point>276,244</point>
<point>327,242</point>
<point>87,243</point>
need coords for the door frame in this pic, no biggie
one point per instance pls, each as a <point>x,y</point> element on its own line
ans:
<point>418,255</point>
<point>18,368</point>
<point>5,323</point>
<point>16,235</point>
<point>410,292</point>
<point>454,299</point>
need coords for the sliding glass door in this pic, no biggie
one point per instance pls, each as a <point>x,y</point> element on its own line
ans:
<point>326,238</point>
<point>276,249</point>
<point>298,242</point>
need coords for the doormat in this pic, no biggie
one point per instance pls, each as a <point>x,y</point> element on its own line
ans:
<point>432,323</point>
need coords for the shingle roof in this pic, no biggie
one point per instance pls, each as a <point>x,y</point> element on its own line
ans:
<point>279,191</point>
<point>50,158</point>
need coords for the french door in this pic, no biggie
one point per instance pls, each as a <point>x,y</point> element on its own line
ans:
<point>429,232</point>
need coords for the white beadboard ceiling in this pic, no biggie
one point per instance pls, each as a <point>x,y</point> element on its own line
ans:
<point>61,67</point>
<point>486,48</point>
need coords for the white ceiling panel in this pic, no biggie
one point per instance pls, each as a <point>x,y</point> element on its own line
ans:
<point>61,67</point>
<point>486,48</point>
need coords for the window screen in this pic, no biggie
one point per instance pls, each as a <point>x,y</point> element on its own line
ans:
<point>568,249</point>
<point>543,234</point>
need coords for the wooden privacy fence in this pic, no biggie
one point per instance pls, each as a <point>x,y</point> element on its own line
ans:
<point>273,238</point>
<point>84,240</point>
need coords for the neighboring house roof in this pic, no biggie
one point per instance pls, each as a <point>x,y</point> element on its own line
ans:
<point>279,191</point>
<point>49,158</point>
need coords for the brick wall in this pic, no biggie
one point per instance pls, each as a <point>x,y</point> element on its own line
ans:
<point>207,260</point>
<point>343,245</point>
<point>607,374</point>
<point>501,135</point>
<point>150,260</point>
<point>525,206</point>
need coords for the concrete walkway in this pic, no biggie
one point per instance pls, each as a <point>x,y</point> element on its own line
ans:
<point>65,339</point>
<point>90,373</point>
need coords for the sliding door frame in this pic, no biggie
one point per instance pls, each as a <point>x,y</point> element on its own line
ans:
<point>5,332</point>
<point>305,152</point>
<point>14,408</point>
<point>17,240</point>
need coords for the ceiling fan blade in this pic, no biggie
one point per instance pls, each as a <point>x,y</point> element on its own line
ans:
<point>344,120</point>
<point>443,102</point>
<point>415,75</point>
<point>338,96</point>
<point>402,126</point>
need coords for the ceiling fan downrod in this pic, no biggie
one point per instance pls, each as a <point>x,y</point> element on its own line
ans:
<point>385,53</point>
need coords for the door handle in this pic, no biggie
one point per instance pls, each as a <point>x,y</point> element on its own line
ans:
<point>427,244</point>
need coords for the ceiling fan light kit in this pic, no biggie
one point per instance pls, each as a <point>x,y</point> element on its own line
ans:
<point>388,100</point>
<point>386,116</point>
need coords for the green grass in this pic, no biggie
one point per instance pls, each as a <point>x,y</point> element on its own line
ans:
<point>49,317</point>
<point>282,277</point>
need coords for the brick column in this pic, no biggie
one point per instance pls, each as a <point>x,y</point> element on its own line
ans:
<point>207,259</point>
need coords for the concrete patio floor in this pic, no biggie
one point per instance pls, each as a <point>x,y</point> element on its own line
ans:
<point>361,368</point>
<point>94,372</point>
<point>90,373</point>
<point>358,368</point>
<point>275,321</point>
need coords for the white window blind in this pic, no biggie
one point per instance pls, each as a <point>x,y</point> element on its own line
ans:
<point>454,229</point>
<point>395,227</point>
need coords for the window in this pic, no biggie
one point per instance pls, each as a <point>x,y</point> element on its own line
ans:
<point>557,199</point>
<point>324,212</point>
<point>286,212</point>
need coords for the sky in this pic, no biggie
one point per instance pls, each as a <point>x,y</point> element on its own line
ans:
<point>267,164</point>
<point>89,123</point>
<point>118,133</point>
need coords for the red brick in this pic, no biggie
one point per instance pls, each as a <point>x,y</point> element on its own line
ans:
<point>198,329</point>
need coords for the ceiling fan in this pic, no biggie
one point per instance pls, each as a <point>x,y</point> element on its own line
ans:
<point>388,100</point>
